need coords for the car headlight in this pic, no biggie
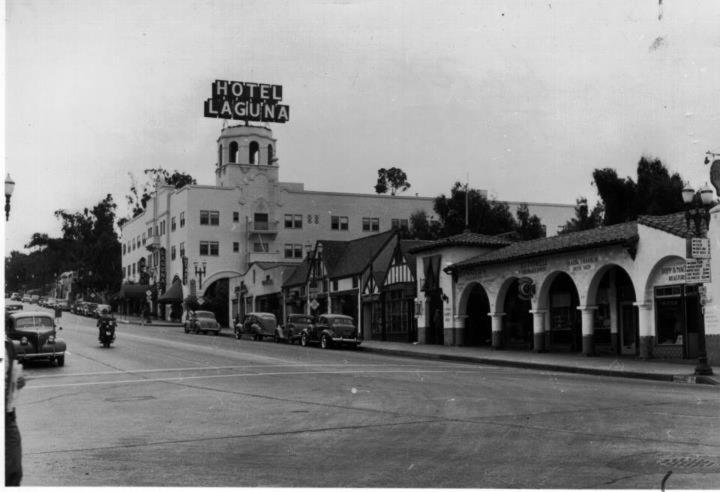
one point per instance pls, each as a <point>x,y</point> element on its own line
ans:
<point>24,340</point>
<point>51,339</point>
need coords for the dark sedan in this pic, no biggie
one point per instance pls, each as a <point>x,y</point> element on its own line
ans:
<point>34,336</point>
<point>331,330</point>
<point>201,322</point>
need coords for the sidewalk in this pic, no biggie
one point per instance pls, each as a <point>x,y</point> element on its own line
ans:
<point>680,371</point>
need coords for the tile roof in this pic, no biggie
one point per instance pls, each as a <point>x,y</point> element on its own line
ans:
<point>674,224</point>
<point>625,233</point>
<point>298,276</point>
<point>463,239</point>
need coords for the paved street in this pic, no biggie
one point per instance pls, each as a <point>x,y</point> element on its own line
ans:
<point>162,407</point>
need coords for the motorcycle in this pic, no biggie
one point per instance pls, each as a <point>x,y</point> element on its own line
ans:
<point>107,332</point>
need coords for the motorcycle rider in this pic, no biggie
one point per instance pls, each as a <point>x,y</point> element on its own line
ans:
<point>105,318</point>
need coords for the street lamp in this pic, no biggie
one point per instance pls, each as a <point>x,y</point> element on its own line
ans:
<point>699,213</point>
<point>9,188</point>
<point>200,272</point>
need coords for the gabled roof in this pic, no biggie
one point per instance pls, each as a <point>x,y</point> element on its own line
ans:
<point>625,233</point>
<point>355,255</point>
<point>464,239</point>
<point>298,276</point>
<point>407,245</point>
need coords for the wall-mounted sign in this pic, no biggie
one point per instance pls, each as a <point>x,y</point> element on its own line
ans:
<point>581,263</point>
<point>697,271</point>
<point>698,247</point>
<point>247,101</point>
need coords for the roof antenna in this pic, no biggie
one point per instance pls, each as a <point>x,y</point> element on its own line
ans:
<point>467,201</point>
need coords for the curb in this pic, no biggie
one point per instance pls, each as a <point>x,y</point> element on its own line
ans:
<point>690,379</point>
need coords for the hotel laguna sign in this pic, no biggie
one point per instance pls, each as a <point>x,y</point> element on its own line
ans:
<point>246,101</point>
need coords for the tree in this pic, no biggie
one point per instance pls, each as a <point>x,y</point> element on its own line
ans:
<point>529,226</point>
<point>421,227</point>
<point>137,199</point>
<point>656,192</point>
<point>584,219</point>
<point>484,216</point>
<point>394,178</point>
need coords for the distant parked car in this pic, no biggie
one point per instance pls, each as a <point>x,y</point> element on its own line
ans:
<point>331,330</point>
<point>89,308</point>
<point>294,326</point>
<point>34,336</point>
<point>15,296</point>
<point>201,321</point>
<point>26,298</point>
<point>258,326</point>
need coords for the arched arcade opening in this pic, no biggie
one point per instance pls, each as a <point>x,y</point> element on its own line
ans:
<point>478,325</point>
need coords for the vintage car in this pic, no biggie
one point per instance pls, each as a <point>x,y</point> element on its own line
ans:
<point>99,309</point>
<point>88,308</point>
<point>201,322</point>
<point>258,326</point>
<point>34,336</point>
<point>294,326</point>
<point>11,307</point>
<point>330,330</point>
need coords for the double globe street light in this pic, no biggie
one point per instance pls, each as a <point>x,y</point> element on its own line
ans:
<point>698,212</point>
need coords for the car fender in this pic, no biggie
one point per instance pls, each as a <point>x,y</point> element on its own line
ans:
<point>60,345</point>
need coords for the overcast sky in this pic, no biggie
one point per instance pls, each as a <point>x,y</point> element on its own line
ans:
<point>524,97</point>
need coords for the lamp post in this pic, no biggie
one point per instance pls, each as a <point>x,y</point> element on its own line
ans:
<point>9,188</point>
<point>699,213</point>
<point>200,271</point>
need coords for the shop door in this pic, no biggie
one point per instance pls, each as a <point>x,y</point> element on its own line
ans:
<point>628,328</point>
<point>693,318</point>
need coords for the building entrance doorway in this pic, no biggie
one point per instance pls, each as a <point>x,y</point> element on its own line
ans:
<point>478,325</point>
<point>628,328</point>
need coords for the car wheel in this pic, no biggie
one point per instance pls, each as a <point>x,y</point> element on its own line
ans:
<point>106,344</point>
<point>324,342</point>
<point>303,340</point>
<point>60,361</point>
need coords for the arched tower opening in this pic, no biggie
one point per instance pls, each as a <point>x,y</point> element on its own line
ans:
<point>254,154</point>
<point>270,155</point>
<point>233,152</point>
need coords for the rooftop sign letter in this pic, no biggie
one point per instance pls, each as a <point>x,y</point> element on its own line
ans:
<point>248,101</point>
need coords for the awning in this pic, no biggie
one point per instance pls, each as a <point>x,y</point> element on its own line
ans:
<point>132,291</point>
<point>173,294</point>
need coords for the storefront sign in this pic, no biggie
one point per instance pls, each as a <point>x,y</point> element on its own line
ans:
<point>697,271</point>
<point>247,101</point>
<point>533,267</point>
<point>579,264</point>
<point>698,247</point>
<point>672,274</point>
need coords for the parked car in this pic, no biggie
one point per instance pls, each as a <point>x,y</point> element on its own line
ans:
<point>11,307</point>
<point>201,321</point>
<point>88,308</point>
<point>34,336</point>
<point>258,326</point>
<point>26,298</point>
<point>330,330</point>
<point>294,326</point>
<point>15,296</point>
<point>34,298</point>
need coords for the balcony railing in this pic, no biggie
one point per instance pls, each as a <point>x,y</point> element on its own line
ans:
<point>263,227</point>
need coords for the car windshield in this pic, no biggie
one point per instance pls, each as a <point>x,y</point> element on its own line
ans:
<point>301,319</point>
<point>342,321</point>
<point>34,322</point>
<point>205,314</point>
<point>266,316</point>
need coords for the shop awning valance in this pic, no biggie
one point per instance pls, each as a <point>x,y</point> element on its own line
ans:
<point>173,294</point>
<point>132,291</point>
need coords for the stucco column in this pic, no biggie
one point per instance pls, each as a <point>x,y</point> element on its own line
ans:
<point>496,329</point>
<point>645,328</point>
<point>538,329</point>
<point>459,332</point>
<point>588,328</point>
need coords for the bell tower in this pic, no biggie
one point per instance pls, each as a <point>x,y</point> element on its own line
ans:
<point>245,152</point>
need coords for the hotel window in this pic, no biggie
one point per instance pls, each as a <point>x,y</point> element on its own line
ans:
<point>162,227</point>
<point>172,252</point>
<point>260,247</point>
<point>182,250</point>
<point>261,222</point>
<point>133,268</point>
<point>124,249</point>
<point>172,224</point>
<point>370,224</point>
<point>123,272</point>
<point>338,223</point>
<point>236,247</point>
<point>399,223</point>
<point>149,231</point>
<point>209,217</point>
<point>137,240</point>
<point>144,239</point>
<point>293,221</point>
<point>293,251</point>
<point>182,219</point>
<point>209,248</point>
<point>236,216</point>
